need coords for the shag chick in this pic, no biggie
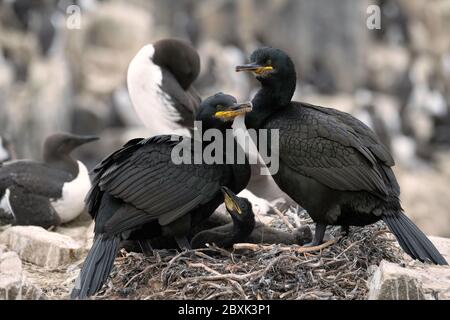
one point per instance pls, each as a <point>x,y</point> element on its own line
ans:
<point>243,222</point>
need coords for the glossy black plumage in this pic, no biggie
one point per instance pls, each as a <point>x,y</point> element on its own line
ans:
<point>330,162</point>
<point>139,186</point>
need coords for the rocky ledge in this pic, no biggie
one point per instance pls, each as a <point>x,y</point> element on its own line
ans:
<point>40,264</point>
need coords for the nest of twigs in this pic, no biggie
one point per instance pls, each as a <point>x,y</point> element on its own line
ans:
<point>338,269</point>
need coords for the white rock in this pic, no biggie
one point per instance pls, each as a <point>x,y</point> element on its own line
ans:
<point>41,247</point>
<point>443,245</point>
<point>89,236</point>
<point>416,281</point>
<point>13,285</point>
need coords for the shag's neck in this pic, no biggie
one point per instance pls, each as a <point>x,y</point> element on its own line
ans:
<point>242,229</point>
<point>273,96</point>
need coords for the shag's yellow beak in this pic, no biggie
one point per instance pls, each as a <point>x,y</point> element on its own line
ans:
<point>230,201</point>
<point>258,69</point>
<point>233,111</point>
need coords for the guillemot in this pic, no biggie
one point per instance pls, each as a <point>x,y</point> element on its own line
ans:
<point>45,193</point>
<point>7,151</point>
<point>159,81</point>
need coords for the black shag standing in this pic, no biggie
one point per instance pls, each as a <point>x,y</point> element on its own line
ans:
<point>45,193</point>
<point>243,223</point>
<point>331,163</point>
<point>159,80</point>
<point>140,185</point>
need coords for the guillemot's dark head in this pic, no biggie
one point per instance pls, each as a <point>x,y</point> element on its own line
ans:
<point>218,111</point>
<point>180,58</point>
<point>58,146</point>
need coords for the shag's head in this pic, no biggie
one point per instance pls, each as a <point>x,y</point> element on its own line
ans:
<point>269,64</point>
<point>58,145</point>
<point>218,111</point>
<point>180,58</point>
<point>239,208</point>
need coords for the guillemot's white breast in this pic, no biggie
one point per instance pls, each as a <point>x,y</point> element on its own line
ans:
<point>5,205</point>
<point>71,203</point>
<point>153,106</point>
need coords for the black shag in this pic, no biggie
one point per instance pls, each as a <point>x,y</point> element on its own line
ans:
<point>45,193</point>
<point>140,185</point>
<point>331,163</point>
<point>243,222</point>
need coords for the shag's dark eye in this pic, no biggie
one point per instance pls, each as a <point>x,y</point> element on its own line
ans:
<point>220,107</point>
<point>269,62</point>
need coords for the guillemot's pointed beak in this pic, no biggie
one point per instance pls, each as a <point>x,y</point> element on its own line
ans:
<point>89,138</point>
<point>254,67</point>
<point>76,141</point>
<point>230,200</point>
<point>233,111</point>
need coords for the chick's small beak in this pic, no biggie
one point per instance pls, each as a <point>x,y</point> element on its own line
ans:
<point>230,201</point>
<point>253,67</point>
<point>233,111</point>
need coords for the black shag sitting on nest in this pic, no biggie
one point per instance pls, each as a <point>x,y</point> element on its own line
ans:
<point>240,210</point>
<point>331,163</point>
<point>140,184</point>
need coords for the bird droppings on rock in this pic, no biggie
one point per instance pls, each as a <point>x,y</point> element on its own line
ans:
<point>41,247</point>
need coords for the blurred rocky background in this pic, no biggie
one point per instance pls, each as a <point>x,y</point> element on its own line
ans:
<point>57,77</point>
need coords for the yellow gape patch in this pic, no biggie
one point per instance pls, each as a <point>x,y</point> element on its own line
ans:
<point>231,205</point>
<point>263,69</point>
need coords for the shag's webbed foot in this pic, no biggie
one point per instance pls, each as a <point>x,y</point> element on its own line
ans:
<point>318,235</point>
<point>183,243</point>
<point>146,247</point>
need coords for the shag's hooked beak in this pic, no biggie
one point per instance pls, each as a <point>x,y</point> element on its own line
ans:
<point>254,67</point>
<point>230,200</point>
<point>233,111</point>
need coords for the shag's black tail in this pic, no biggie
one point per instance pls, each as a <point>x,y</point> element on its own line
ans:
<point>413,241</point>
<point>96,267</point>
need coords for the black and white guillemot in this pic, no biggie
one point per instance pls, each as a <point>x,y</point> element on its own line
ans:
<point>45,193</point>
<point>7,151</point>
<point>159,81</point>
